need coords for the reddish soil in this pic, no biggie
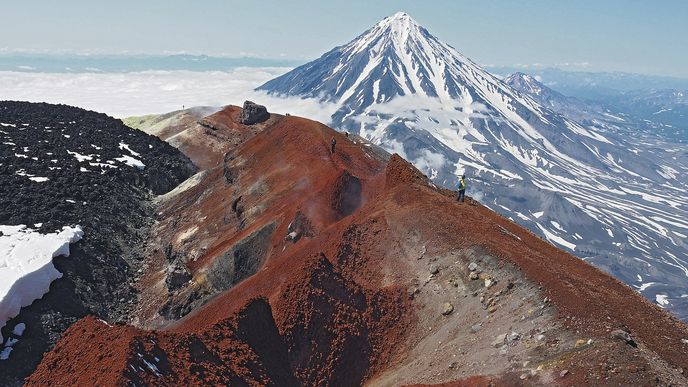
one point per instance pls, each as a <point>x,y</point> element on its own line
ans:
<point>207,140</point>
<point>357,298</point>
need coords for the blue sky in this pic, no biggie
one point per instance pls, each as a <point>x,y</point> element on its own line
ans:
<point>608,35</point>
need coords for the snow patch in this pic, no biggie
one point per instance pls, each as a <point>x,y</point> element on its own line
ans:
<point>124,146</point>
<point>645,285</point>
<point>132,162</point>
<point>5,354</point>
<point>26,266</point>
<point>11,342</point>
<point>81,158</point>
<point>19,329</point>
<point>556,239</point>
<point>152,367</point>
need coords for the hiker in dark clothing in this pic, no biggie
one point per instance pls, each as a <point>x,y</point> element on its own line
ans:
<point>462,188</point>
<point>334,142</point>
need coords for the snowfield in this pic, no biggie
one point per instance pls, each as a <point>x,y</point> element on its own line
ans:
<point>26,266</point>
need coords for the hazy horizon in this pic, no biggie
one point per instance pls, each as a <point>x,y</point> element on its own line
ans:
<point>47,62</point>
<point>611,36</point>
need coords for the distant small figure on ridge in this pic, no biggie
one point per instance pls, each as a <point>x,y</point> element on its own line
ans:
<point>462,188</point>
<point>334,143</point>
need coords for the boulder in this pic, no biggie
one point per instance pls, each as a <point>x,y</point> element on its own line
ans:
<point>447,308</point>
<point>252,113</point>
<point>499,340</point>
<point>177,277</point>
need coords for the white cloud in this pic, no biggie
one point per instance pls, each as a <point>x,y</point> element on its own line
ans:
<point>574,64</point>
<point>138,93</point>
<point>394,146</point>
<point>303,107</point>
<point>411,107</point>
<point>429,161</point>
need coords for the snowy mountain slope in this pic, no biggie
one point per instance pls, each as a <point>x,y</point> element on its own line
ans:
<point>609,115</point>
<point>647,111</point>
<point>569,107</point>
<point>649,137</point>
<point>609,198</point>
<point>666,108</point>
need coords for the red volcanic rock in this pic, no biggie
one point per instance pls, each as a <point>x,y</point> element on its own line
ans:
<point>333,322</point>
<point>358,297</point>
<point>245,348</point>
<point>400,171</point>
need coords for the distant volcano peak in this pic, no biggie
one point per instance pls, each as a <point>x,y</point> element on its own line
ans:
<point>395,57</point>
<point>398,19</point>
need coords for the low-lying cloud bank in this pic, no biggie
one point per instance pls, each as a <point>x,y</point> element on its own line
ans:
<point>139,93</point>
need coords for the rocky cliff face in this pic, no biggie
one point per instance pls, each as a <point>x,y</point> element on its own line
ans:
<point>306,267</point>
<point>64,166</point>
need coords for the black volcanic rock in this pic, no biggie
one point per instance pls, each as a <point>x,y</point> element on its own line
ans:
<point>64,166</point>
<point>252,113</point>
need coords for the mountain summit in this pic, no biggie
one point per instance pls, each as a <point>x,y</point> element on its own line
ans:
<point>610,198</point>
<point>396,57</point>
<point>527,84</point>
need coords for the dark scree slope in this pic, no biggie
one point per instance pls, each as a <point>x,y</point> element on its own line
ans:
<point>63,166</point>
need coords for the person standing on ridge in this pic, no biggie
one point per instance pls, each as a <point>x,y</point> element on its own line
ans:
<point>334,143</point>
<point>462,189</point>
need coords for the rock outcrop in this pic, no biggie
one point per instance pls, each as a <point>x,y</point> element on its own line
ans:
<point>252,113</point>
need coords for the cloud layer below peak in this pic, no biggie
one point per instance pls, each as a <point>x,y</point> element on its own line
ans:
<point>138,93</point>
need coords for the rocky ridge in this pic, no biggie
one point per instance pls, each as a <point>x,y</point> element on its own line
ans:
<point>355,268</point>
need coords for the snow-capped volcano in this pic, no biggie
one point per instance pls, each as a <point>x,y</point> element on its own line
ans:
<point>615,200</point>
<point>398,63</point>
<point>395,57</point>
